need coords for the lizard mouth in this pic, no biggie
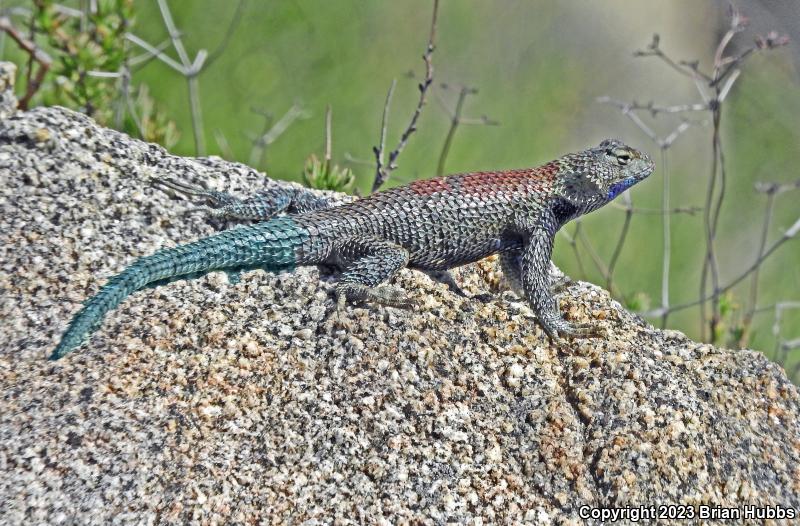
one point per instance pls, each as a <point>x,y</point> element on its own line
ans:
<point>646,170</point>
<point>620,186</point>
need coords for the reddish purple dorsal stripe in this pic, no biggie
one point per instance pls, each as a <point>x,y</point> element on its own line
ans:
<point>489,183</point>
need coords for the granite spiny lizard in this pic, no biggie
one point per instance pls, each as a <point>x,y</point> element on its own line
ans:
<point>430,225</point>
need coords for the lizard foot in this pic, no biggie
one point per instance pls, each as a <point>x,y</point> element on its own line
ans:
<point>390,296</point>
<point>382,295</point>
<point>559,331</point>
<point>585,330</point>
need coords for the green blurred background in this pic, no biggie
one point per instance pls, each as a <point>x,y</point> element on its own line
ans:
<point>539,67</point>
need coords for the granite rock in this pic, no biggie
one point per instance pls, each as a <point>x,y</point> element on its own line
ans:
<point>211,402</point>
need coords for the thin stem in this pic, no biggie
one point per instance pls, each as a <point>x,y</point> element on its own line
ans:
<point>35,54</point>
<point>454,122</point>
<point>143,58</point>
<point>596,259</point>
<point>124,90</point>
<point>382,173</point>
<point>713,263</point>
<point>652,108</point>
<point>789,234</point>
<point>328,135</point>
<point>197,115</point>
<point>666,250</point>
<point>622,237</point>
<point>753,304</point>
<point>173,32</point>
<point>156,52</point>
<point>237,17</point>
<point>384,125</point>
<point>269,136</point>
<point>709,262</point>
<point>691,210</point>
<point>224,146</point>
<point>572,240</point>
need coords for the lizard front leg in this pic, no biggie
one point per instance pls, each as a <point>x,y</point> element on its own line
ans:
<point>535,282</point>
<point>511,265</point>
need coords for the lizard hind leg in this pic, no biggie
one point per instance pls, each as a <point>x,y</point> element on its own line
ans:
<point>258,207</point>
<point>368,263</point>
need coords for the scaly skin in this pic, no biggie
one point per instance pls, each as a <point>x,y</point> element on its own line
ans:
<point>430,225</point>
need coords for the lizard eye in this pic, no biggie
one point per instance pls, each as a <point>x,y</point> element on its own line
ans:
<point>623,158</point>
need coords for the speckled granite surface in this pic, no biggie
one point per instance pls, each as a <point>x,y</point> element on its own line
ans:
<point>211,403</point>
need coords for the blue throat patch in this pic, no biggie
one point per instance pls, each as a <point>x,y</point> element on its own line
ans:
<point>618,188</point>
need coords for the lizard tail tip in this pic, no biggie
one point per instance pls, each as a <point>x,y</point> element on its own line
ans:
<point>67,344</point>
<point>59,352</point>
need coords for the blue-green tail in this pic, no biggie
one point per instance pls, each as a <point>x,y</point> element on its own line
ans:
<point>275,245</point>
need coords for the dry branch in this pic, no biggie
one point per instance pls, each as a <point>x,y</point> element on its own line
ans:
<point>383,170</point>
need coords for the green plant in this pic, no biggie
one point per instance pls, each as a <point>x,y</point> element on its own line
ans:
<point>81,45</point>
<point>323,174</point>
<point>82,59</point>
<point>148,122</point>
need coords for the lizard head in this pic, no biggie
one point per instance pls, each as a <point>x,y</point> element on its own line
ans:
<point>593,177</point>
<point>619,167</point>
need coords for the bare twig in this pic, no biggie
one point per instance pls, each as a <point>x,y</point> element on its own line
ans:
<point>713,89</point>
<point>690,210</point>
<point>383,171</point>
<point>349,158</point>
<point>328,135</point>
<point>455,120</point>
<point>753,304</point>
<point>789,234</point>
<point>781,351</point>
<point>271,133</point>
<point>124,83</point>
<point>224,146</point>
<point>710,259</point>
<point>223,45</point>
<point>143,58</point>
<point>652,108</point>
<point>157,52</point>
<point>593,255</point>
<point>724,76</point>
<point>378,150</point>
<point>623,235</point>
<point>689,69</point>
<point>189,68</point>
<point>629,109</point>
<point>173,32</point>
<point>776,188</point>
<point>666,239</point>
<point>572,240</point>
<point>791,344</point>
<point>197,115</point>
<point>35,54</point>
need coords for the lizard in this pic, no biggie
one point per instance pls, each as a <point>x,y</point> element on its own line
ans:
<point>430,225</point>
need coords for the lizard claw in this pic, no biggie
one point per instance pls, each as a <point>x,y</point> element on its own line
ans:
<point>333,313</point>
